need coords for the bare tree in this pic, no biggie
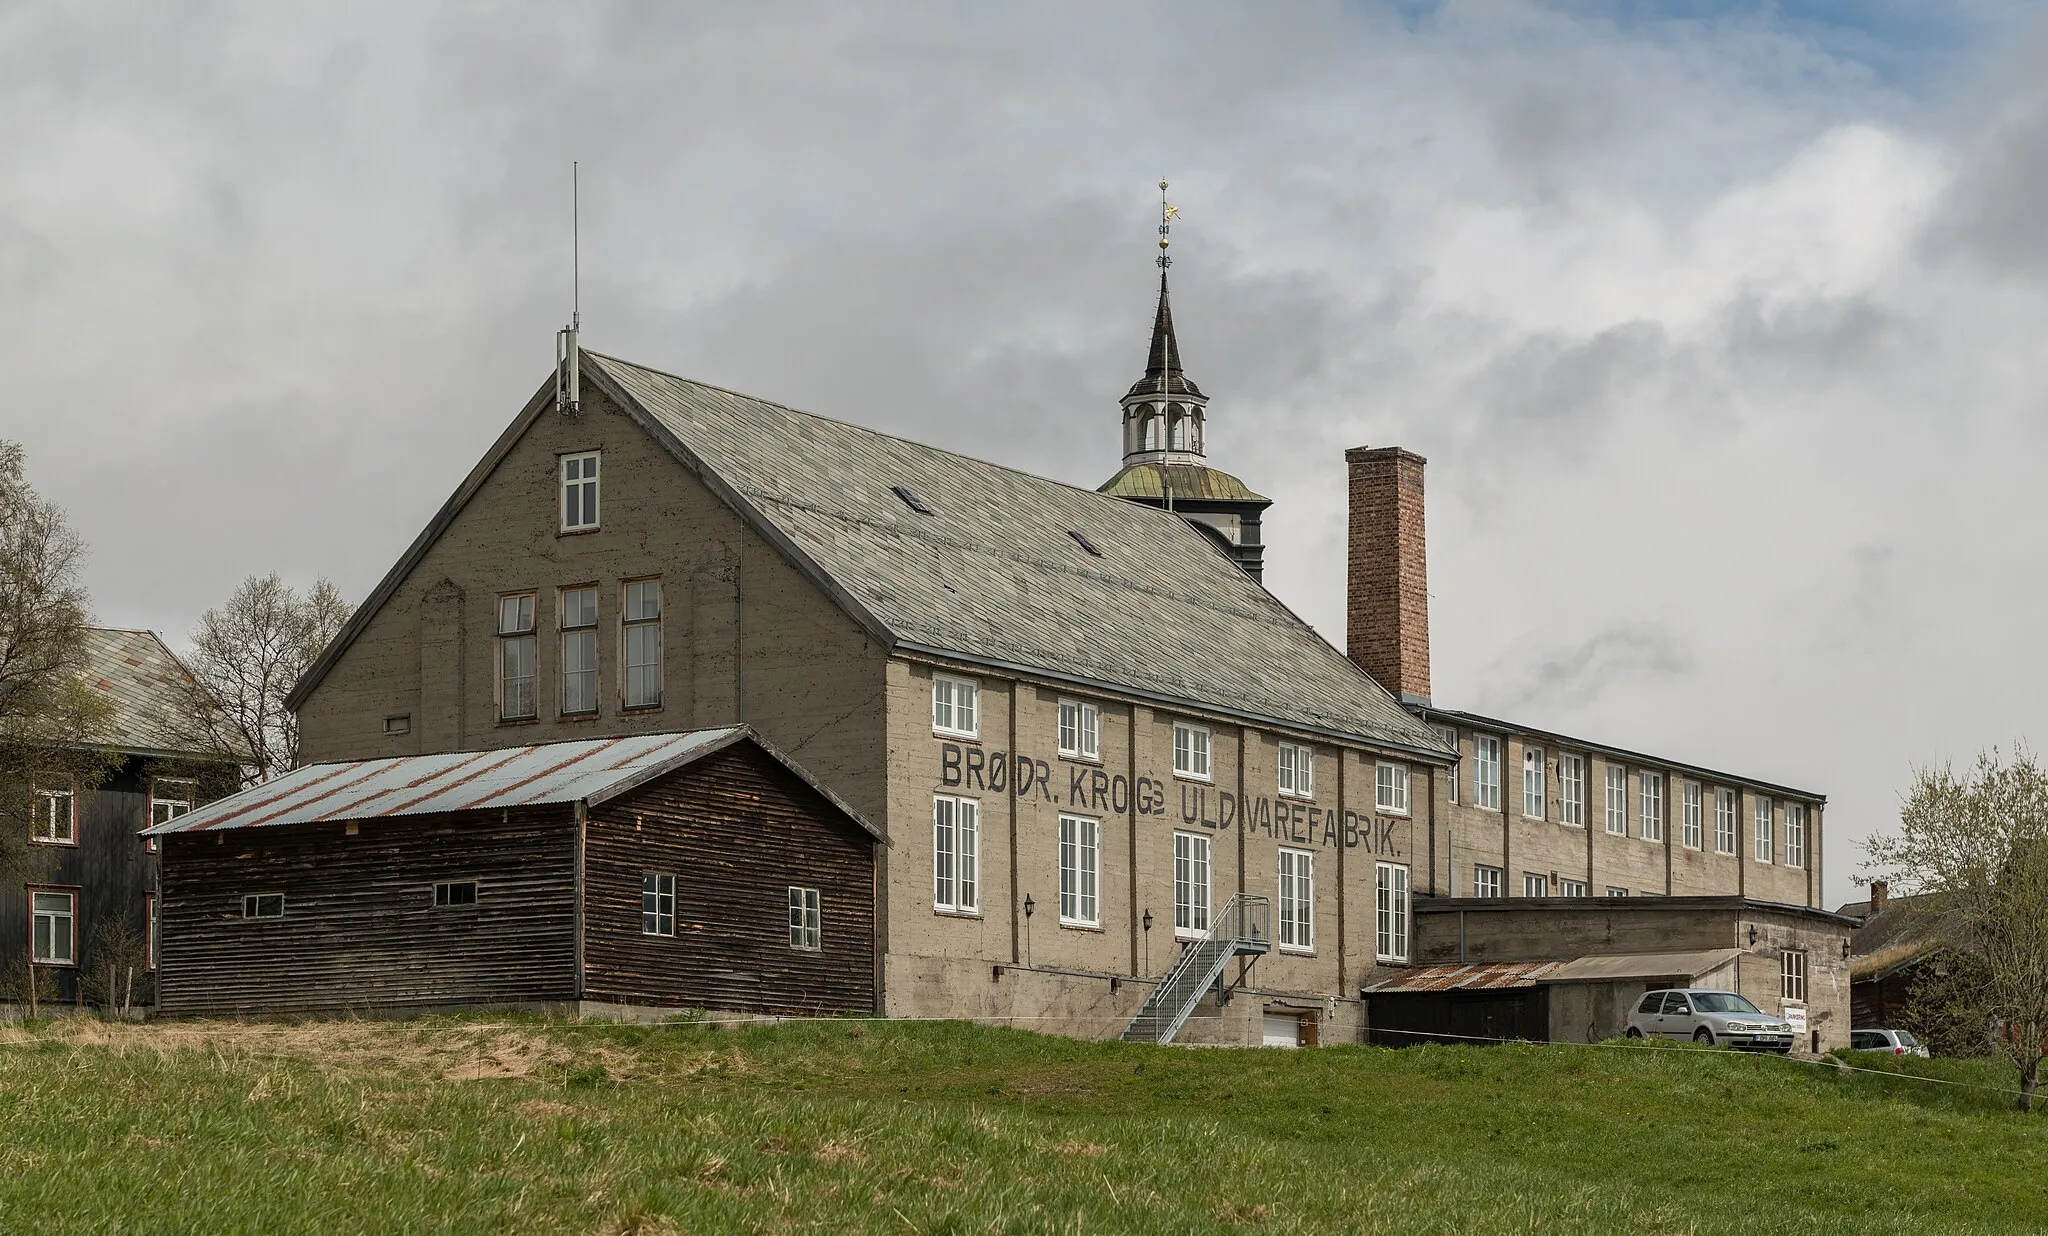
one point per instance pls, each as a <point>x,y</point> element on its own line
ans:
<point>1974,844</point>
<point>245,658</point>
<point>114,961</point>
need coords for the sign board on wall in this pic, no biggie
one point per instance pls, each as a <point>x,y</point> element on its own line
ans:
<point>1796,1014</point>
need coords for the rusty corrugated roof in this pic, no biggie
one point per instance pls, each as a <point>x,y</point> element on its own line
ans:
<point>1472,977</point>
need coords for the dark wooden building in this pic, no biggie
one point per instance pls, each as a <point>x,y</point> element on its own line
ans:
<point>82,919</point>
<point>694,870</point>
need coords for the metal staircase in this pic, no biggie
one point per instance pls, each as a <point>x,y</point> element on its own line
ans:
<point>1245,926</point>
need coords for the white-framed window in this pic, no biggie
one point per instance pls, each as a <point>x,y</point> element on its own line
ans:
<point>1692,832</point>
<point>1535,884</point>
<point>1297,929</point>
<point>579,650</point>
<point>56,813</point>
<point>1485,880</point>
<point>956,854</point>
<point>1571,789</point>
<point>579,491</point>
<point>1080,730</point>
<point>1450,736</point>
<point>1612,891</point>
<point>1652,795</point>
<point>1079,871</point>
<point>1297,770</point>
<point>658,904</point>
<point>1532,782</point>
<point>1792,975</point>
<point>1486,771</point>
<point>1724,821</point>
<point>170,797</point>
<point>1190,885</point>
<point>1390,788</point>
<point>956,706</point>
<point>1191,751</point>
<point>53,927</point>
<point>805,921</point>
<point>1571,888</point>
<point>1390,912</point>
<point>1795,834</point>
<point>640,643</point>
<point>515,657</point>
<point>1765,842</point>
<point>263,905</point>
<point>1617,800</point>
<point>452,894</point>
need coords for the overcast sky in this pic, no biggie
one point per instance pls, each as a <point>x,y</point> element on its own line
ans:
<point>1721,324</point>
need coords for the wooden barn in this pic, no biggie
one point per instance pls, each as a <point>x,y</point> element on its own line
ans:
<point>699,870</point>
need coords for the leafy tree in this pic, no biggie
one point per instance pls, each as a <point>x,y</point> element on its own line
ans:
<point>245,657</point>
<point>1974,845</point>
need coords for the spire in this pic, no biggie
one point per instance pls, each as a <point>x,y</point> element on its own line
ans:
<point>1162,360</point>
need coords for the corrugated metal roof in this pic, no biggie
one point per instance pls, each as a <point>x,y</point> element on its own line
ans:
<point>1490,976</point>
<point>145,682</point>
<point>1618,966</point>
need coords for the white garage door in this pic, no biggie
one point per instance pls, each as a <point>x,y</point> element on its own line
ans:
<point>1282,1030</point>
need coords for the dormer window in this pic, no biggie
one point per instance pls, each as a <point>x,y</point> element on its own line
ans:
<point>579,492</point>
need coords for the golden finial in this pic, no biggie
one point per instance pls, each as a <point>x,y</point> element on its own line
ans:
<point>1167,214</point>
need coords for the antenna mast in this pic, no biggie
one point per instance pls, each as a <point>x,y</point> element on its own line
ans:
<point>568,355</point>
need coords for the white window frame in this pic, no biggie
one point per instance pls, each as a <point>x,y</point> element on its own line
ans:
<point>1613,891</point>
<point>1537,880</point>
<point>1650,793</point>
<point>1692,830</point>
<point>1792,975</point>
<point>640,668</point>
<point>56,804</point>
<point>657,903</point>
<point>956,706</point>
<point>578,502</point>
<point>1487,880</point>
<point>152,932</point>
<point>1571,789</point>
<point>67,915</point>
<point>1080,871</point>
<point>806,919</point>
<point>1727,821</point>
<point>445,894</point>
<point>1449,734</point>
<point>516,632</point>
<point>1487,754</point>
<point>1297,770</point>
<point>1390,787</point>
<point>956,854</point>
<point>1617,799</point>
<point>1766,836</point>
<point>583,631</point>
<point>1391,913</point>
<point>1296,875</point>
<point>171,797</point>
<point>1192,889</point>
<point>1191,751</point>
<point>1534,806</point>
<point>1795,834</point>
<point>254,905</point>
<point>1081,730</point>
<point>1572,888</point>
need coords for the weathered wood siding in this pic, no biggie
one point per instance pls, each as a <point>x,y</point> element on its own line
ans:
<point>737,830</point>
<point>360,930</point>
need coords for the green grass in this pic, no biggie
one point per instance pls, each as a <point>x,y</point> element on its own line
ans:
<point>530,1125</point>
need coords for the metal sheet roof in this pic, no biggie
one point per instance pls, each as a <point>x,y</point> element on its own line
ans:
<point>590,770</point>
<point>1642,966</point>
<point>1490,976</point>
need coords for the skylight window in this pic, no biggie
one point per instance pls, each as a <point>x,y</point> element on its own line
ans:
<point>910,499</point>
<point>1084,542</point>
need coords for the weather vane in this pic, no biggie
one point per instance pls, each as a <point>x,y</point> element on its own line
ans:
<point>1167,214</point>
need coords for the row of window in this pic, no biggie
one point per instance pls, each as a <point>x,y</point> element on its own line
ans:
<point>956,872</point>
<point>1768,844</point>
<point>956,713</point>
<point>577,692</point>
<point>54,818</point>
<point>53,927</point>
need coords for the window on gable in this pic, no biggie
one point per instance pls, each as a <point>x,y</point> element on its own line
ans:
<point>1191,750</point>
<point>640,621</point>
<point>56,813</point>
<point>805,925</point>
<point>956,706</point>
<point>579,650</point>
<point>1297,770</point>
<point>658,904</point>
<point>515,657</point>
<point>1080,730</point>
<point>579,492</point>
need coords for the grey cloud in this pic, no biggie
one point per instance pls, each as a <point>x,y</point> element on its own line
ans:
<point>1577,675</point>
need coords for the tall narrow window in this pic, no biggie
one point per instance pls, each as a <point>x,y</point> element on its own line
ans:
<point>640,621</point>
<point>956,854</point>
<point>56,813</point>
<point>1390,911</point>
<point>804,918</point>
<point>1297,770</point>
<point>1765,848</point>
<point>1617,800</point>
<point>1078,871</point>
<point>1653,805</point>
<point>152,931</point>
<point>1450,737</point>
<point>515,657</point>
<point>1486,771</point>
<point>1795,834</point>
<point>1485,880</point>
<point>1724,821</point>
<point>579,650</point>
<point>1390,788</point>
<point>54,928</point>
<point>1080,730</point>
<point>1297,900</point>
<point>1693,835</point>
<point>956,706</point>
<point>1190,885</point>
<point>579,492</point>
<point>1792,975</point>
<point>1571,789</point>
<point>658,904</point>
<point>1532,782</point>
<point>1191,750</point>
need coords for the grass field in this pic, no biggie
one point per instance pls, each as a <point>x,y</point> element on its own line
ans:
<point>531,1125</point>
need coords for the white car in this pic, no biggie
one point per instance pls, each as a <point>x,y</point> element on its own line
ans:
<point>1890,1042</point>
<point>1710,1018</point>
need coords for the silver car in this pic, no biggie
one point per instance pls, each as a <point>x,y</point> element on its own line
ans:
<point>1890,1042</point>
<point>1711,1018</point>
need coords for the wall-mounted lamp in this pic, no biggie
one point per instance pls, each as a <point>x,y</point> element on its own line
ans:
<point>1030,906</point>
<point>1752,932</point>
<point>1845,948</point>
<point>1146,923</point>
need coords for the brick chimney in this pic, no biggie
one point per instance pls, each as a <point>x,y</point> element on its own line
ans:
<point>1387,593</point>
<point>1880,892</point>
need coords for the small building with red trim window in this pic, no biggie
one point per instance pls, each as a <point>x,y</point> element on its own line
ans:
<point>651,871</point>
